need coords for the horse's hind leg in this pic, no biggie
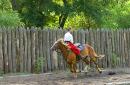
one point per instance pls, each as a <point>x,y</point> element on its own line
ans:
<point>87,64</point>
<point>99,70</point>
<point>94,61</point>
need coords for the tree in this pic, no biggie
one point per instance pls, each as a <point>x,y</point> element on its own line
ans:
<point>90,8</point>
<point>118,15</point>
<point>55,12</point>
<point>8,16</point>
<point>14,4</point>
<point>63,13</point>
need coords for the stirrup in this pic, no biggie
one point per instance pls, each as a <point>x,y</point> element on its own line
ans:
<point>83,57</point>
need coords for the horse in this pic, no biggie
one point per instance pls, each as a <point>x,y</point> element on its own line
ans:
<point>72,59</point>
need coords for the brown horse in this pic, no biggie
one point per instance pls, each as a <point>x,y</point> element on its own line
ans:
<point>71,57</point>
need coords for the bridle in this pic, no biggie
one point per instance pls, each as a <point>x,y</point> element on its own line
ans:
<point>58,51</point>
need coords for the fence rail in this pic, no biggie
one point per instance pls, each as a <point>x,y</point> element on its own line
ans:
<point>21,48</point>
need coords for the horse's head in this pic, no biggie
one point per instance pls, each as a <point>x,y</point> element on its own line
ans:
<point>55,46</point>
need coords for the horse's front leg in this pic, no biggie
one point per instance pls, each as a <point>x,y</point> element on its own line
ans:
<point>73,69</point>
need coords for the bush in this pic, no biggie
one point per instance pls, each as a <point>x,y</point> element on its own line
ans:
<point>38,64</point>
<point>115,59</point>
<point>9,19</point>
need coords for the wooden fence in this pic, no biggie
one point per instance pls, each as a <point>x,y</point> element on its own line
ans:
<point>20,49</point>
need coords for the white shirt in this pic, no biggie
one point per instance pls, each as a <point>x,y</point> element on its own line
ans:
<point>68,37</point>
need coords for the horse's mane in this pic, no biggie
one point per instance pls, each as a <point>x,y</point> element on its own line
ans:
<point>62,41</point>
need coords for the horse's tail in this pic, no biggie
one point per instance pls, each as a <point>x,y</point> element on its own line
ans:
<point>100,56</point>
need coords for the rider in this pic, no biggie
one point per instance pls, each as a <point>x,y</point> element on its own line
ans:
<point>68,39</point>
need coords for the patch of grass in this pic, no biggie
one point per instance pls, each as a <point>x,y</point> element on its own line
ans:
<point>115,59</point>
<point>38,64</point>
<point>1,73</point>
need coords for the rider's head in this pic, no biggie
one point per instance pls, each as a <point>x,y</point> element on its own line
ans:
<point>69,29</point>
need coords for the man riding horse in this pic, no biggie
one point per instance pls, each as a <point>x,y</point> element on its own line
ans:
<point>68,39</point>
<point>64,45</point>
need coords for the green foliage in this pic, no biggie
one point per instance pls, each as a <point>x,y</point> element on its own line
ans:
<point>32,14</point>
<point>91,8</point>
<point>88,14</point>
<point>5,5</point>
<point>1,72</point>
<point>9,19</point>
<point>123,19</point>
<point>54,13</point>
<point>38,64</point>
<point>118,16</point>
<point>80,21</point>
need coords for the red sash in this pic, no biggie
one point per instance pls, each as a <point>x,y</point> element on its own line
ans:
<point>73,48</point>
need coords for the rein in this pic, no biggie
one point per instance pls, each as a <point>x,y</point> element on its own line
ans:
<point>66,47</point>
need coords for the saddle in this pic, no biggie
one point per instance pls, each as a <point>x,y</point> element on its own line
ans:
<point>79,46</point>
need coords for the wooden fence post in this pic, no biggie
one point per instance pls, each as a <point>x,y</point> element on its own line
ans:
<point>1,52</point>
<point>13,50</point>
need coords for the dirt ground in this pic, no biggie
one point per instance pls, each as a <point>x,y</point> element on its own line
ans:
<point>65,78</point>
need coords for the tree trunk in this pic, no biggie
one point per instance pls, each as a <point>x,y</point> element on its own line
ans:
<point>63,16</point>
<point>14,5</point>
<point>62,20</point>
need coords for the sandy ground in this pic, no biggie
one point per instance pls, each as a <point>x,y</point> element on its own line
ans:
<point>65,78</point>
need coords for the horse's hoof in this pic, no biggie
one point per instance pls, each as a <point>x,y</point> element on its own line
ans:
<point>100,72</point>
<point>78,71</point>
